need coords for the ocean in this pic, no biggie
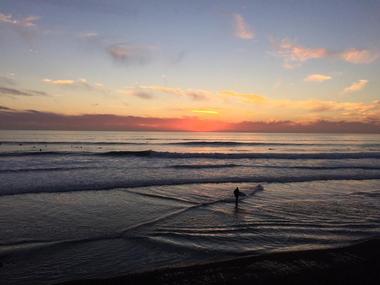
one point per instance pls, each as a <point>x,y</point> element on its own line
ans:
<point>77,205</point>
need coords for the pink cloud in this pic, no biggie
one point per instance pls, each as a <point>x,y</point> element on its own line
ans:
<point>78,83</point>
<point>359,56</point>
<point>356,86</point>
<point>242,29</point>
<point>317,78</point>
<point>294,55</point>
<point>25,22</point>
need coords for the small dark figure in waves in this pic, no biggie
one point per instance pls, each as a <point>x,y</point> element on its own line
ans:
<point>237,194</point>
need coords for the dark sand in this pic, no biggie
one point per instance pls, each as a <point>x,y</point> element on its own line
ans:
<point>356,264</point>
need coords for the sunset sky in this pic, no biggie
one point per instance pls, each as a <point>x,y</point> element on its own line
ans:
<point>189,65</point>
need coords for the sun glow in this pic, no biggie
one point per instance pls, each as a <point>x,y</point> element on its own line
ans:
<point>207,112</point>
<point>199,125</point>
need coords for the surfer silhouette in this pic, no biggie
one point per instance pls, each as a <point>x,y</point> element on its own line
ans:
<point>237,194</point>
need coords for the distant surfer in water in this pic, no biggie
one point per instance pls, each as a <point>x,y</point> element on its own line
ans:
<point>237,194</point>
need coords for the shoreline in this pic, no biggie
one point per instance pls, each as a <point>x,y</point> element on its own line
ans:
<point>354,264</point>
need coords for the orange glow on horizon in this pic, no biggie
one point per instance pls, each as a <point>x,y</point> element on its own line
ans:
<point>198,125</point>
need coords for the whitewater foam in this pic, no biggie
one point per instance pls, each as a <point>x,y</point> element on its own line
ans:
<point>111,185</point>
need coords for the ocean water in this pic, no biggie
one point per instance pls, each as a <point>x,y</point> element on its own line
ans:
<point>79,205</point>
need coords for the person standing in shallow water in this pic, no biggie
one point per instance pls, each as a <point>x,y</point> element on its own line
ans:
<point>236,193</point>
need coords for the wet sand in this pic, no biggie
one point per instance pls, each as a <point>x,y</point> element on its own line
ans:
<point>355,264</point>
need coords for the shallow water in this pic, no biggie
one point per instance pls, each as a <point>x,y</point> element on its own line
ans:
<point>174,205</point>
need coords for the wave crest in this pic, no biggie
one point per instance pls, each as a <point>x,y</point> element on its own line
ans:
<point>215,155</point>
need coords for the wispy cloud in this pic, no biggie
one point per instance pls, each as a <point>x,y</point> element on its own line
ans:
<point>59,81</point>
<point>356,86</point>
<point>306,109</point>
<point>88,36</point>
<point>7,80</point>
<point>359,56</point>
<point>247,97</point>
<point>315,126</point>
<point>5,91</point>
<point>3,108</point>
<point>78,83</point>
<point>124,52</point>
<point>25,27</point>
<point>130,54</point>
<point>242,29</point>
<point>194,94</point>
<point>26,22</point>
<point>143,95</point>
<point>205,111</point>
<point>280,108</point>
<point>294,55</point>
<point>317,78</point>
<point>93,40</point>
<point>137,92</point>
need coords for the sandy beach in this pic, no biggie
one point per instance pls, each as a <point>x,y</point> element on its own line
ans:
<point>355,264</point>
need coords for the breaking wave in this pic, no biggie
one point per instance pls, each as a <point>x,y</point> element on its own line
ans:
<point>120,184</point>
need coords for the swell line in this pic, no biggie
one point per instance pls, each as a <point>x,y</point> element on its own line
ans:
<point>328,155</point>
<point>230,165</point>
<point>216,155</point>
<point>189,181</point>
<point>238,143</point>
<point>47,169</point>
<point>197,143</point>
<point>190,166</point>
